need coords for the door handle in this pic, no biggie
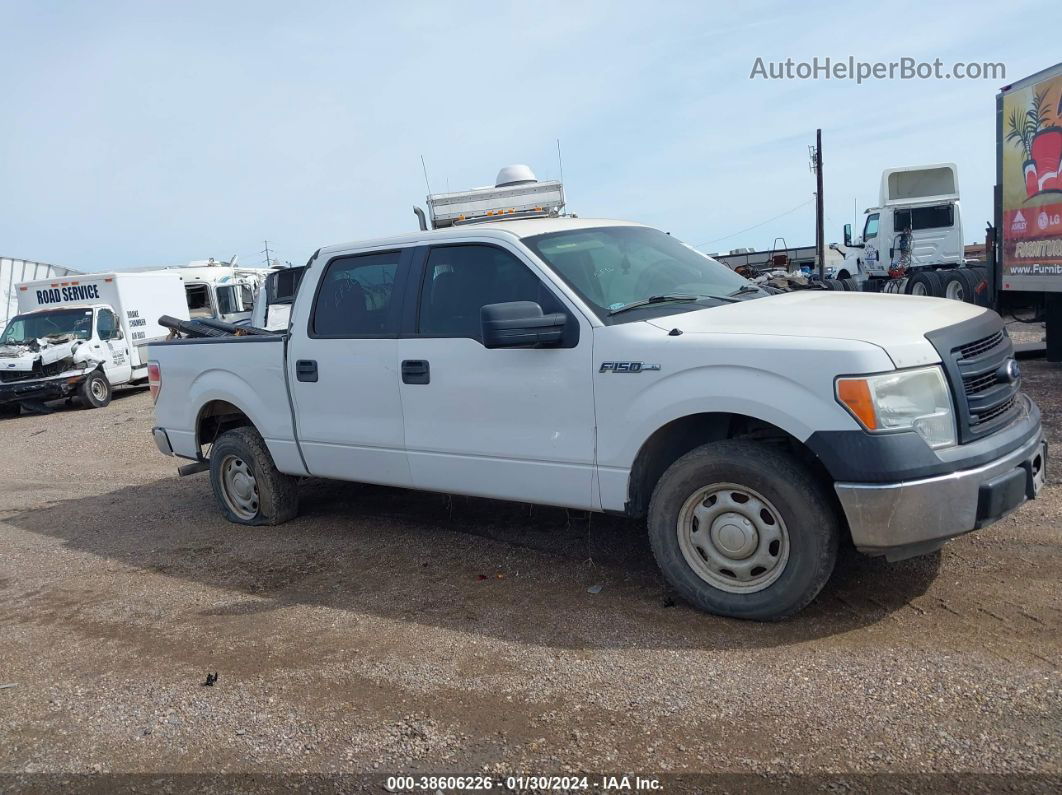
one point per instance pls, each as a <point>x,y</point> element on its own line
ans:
<point>416,371</point>
<point>306,370</point>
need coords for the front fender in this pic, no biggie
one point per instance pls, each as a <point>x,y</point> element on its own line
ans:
<point>746,390</point>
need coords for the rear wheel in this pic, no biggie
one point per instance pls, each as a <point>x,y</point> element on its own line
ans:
<point>95,391</point>
<point>851,284</point>
<point>977,280</point>
<point>247,485</point>
<point>926,283</point>
<point>960,285</point>
<point>743,529</point>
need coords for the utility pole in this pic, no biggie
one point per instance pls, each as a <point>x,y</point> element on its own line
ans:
<point>820,236</point>
<point>269,260</point>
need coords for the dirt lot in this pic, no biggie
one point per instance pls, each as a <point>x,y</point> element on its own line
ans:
<point>388,631</point>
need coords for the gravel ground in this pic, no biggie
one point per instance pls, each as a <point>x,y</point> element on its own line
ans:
<point>386,631</point>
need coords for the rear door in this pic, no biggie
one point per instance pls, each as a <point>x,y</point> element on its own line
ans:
<point>343,370</point>
<point>510,423</point>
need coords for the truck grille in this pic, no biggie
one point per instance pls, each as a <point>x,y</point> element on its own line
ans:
<point>986,397</point>
<point>12,376</point>
<point>976,348</point>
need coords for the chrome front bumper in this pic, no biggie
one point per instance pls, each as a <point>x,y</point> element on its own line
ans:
<point>899,520</point>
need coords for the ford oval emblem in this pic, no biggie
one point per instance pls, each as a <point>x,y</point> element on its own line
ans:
<point>1010,371</point>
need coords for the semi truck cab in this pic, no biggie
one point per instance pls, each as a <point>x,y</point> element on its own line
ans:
<point>917,223</point>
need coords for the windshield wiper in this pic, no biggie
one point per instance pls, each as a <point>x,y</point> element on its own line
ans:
<point>745,288</point>
<point>653,299</point>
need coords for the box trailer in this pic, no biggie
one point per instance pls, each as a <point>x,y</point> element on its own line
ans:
<point>1027,244</point>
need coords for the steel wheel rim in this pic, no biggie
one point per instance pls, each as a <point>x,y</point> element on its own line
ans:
<point>239,487</point>
<point>919,289</point>
<point>98,389</point>
<point>955,291</point>
<point>733,538</point>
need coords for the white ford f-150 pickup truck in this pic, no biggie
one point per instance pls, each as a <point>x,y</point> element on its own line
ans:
<point>607,366</point>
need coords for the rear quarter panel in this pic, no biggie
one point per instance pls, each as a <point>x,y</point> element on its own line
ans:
<point>247,372</point>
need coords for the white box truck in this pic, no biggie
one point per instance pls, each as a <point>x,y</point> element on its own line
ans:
<point>83,335</point>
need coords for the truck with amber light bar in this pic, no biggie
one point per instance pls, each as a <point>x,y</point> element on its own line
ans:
<point>606,366</point>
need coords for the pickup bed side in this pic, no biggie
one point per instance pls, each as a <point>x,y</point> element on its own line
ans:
<point>203,395</point>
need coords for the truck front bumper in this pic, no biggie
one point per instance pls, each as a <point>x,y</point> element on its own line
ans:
<point>40,389</point>
<point>913,517</point>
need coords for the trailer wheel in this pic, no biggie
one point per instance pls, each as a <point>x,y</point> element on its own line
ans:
<point>743,529</point>
<point>247,485</point>
<point>95,391</point>
<point>851,284</point>
<point>926,283</point>
<point>833,284</point>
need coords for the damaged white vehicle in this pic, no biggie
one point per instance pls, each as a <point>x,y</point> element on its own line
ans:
<point>54,354</point>
<point>82,336</point>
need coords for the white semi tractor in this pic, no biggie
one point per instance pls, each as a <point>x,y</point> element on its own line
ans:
<point>912,241</point>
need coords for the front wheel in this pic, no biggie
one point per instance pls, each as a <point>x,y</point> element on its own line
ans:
<point>743,529</point>
<point>95,390</point>
<point>247,485</point>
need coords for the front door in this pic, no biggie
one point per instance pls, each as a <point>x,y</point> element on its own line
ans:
<point>509,423</point>
<point>343,372</point>
<point>110,345</point>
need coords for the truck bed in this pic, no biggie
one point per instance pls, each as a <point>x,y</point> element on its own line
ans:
<point>247,372</point>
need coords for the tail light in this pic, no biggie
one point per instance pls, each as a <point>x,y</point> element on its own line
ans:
<point>154,380</point>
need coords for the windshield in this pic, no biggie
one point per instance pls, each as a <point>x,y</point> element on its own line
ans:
<point>612,267</point>
<point>25,328</point>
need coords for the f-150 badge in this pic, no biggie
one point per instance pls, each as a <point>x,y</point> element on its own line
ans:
<point>627,367</point>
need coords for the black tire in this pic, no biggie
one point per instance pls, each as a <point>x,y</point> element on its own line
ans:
<point>95,391</point>
<point>10,409</point>
<point>928,281</point>
<point>801,501</point>
<point>851,285</point>
<point>273,497</point>
<point>833,284</point>
<point>977,283</point>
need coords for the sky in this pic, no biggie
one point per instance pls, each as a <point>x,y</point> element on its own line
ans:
<point>150,133</point>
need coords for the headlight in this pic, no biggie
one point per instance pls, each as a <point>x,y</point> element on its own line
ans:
<point>907,400</point>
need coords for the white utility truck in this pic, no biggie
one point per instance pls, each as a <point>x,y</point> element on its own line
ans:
<point>83,335</point>
<point>606,366</point>
<point>912,242</point>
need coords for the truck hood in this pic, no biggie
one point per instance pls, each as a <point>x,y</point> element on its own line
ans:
<point>67,352</point>
<point>896,323</point>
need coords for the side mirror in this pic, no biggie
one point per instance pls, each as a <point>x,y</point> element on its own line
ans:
<point>520,324</point>
<point>848,234</point>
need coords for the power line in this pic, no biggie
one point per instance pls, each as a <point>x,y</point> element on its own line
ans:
<point>757,226</point>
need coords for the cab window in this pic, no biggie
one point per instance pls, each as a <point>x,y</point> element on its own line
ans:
<point>939,217</point>
<point>461,280</point>
<point>870,229</point>
<point>106,324</point>
<point>198,300</point>
<point>356,297</point>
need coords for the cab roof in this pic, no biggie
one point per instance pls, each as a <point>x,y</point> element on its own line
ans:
<point>499,230</point>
